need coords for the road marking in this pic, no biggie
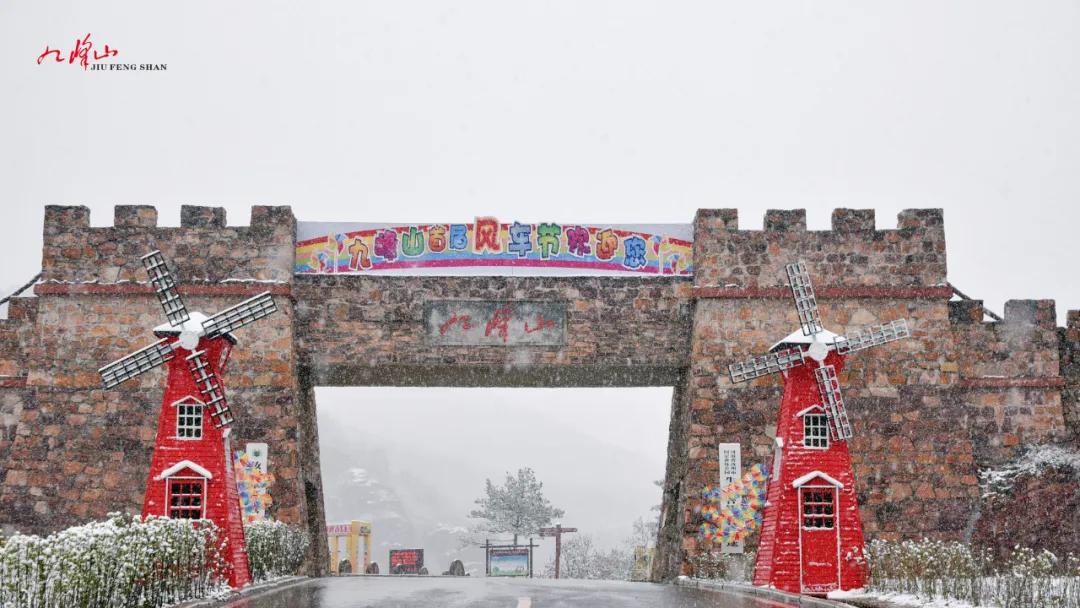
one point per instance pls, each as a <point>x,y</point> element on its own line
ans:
<point>524,602</point>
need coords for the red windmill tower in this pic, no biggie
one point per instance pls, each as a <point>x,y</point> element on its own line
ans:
<point>191,471</point>
<point>811,536</point>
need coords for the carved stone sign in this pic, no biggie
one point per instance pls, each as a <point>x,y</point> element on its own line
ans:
<point>495,323</point>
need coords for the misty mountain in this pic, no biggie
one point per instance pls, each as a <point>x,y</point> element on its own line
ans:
<point>412,461</point>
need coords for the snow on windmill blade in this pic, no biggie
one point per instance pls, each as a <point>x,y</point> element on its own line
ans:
<point>811,450</point>
<point>138,362</point>
<point>240,315</point>
<point>165,288</point>
<point>833,402</point>
<point>805,302</point>
<point>764,365</point>
<point>873,336</point>
<point>208,386</point>
<point>195,417</point>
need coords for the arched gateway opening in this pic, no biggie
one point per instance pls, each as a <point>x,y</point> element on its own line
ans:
<point>412,461</point>
<point>556,305</point>
<point>547,318</point>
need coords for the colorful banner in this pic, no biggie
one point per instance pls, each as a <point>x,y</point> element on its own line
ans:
<point>253,486</point>
<point>730,514</point>
<point>516,248</point>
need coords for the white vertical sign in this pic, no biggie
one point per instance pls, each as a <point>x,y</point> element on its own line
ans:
<point>258,453</point>
<point>730,471</point>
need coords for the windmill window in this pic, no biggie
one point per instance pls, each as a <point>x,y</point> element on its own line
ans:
<point>815,431</point>
<point>189,420</point>
<point>186,498</point>
<point>818,509</point>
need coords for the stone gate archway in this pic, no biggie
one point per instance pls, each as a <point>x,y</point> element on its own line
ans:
<point>960,395</point>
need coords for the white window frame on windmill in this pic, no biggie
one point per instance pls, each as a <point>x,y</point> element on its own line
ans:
<point>169,481</point>
<point>169,475</point>
<point>816,417</point>
<point>730,455</point>
<point>196,429</point>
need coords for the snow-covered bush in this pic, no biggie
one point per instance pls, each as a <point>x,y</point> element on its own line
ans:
<point>1033,461</point>
<point>936,569</point>
<point>128,562</point>
<point>274,549</point>
<point>122,561</point>
<point>582,560</point>
<point>711,564</point>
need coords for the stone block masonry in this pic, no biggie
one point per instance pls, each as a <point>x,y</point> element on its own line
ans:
<point>76,452</point>
<point>928,412</point>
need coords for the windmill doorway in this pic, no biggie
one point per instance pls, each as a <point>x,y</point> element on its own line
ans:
<point>819,539</point>
<point>413,460</point>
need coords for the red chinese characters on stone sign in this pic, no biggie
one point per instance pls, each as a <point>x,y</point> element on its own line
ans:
<point>495,323</point>
<point>464,320</point>
<point>499,323</point>
<point>83,52</point>
<point>542,323</point>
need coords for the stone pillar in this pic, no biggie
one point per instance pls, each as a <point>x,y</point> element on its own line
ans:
<point>742,306</point>
<point>310,478</point>
<point>71,452</point>
<point>1070,370</point>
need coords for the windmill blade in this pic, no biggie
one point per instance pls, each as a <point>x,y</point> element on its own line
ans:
<point>872,336</point>
<point>240,315</point>
<point>805,301</point>
<point>165,288</point>
<point>208,386</point>
<point>833,402</point>
<point>138,362</point>
<point>766,364</point>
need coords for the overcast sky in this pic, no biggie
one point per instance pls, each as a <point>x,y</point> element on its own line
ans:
<point>621,111</point>
<point>618,111</point>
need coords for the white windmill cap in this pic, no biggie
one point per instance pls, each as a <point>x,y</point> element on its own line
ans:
<point>797,337</point>
<point>195,321</point>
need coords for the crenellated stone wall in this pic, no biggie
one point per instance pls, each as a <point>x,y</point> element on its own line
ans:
<point>77,452</point>
<point>928,412</point>
<point>203,248</point>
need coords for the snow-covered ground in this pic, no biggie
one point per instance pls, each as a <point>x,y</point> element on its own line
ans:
<point>906,599</point>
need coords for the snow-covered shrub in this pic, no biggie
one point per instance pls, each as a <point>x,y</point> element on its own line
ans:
<point>582,560</point>
<point>936,569</point>
<point>1033,461</point>
<point>711,564</point>
<point>122,561</point>
<point>274,549</point>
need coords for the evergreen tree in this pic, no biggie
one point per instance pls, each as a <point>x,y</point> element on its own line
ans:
<point>517,507</point>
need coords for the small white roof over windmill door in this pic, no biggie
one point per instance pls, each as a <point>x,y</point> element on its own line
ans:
<point>812,475</point>
<point>180,466</point>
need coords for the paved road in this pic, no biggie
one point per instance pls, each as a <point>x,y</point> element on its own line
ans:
<point>447,592</point>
